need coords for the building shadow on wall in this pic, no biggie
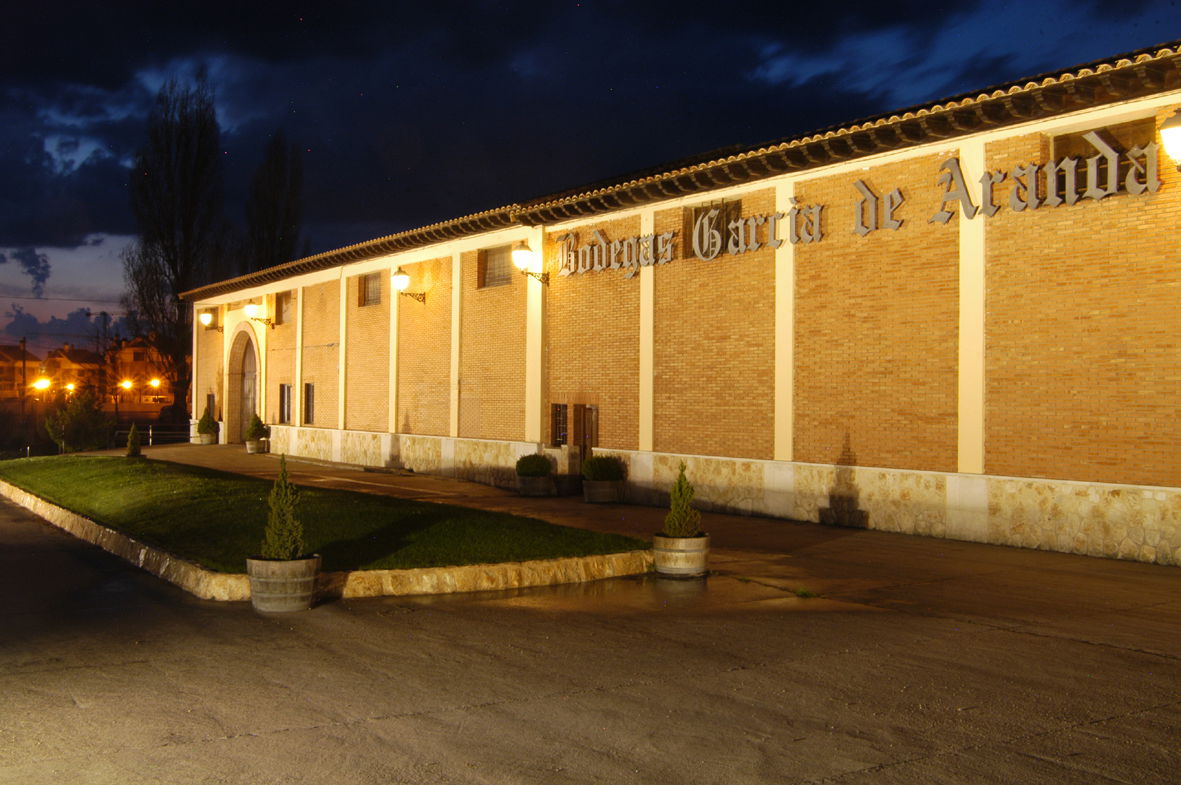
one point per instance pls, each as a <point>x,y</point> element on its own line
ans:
<point>844,498</point>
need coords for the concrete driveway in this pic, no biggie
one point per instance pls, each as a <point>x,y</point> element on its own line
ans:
<point>924,661</point>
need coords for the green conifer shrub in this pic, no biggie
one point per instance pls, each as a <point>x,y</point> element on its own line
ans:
<point>133,444</point>
<point>284,533</point>
<point>682,520</point>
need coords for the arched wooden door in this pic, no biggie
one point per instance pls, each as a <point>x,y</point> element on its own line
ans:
<point>242,385</point>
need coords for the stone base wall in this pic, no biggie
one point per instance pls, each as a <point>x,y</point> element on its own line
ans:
<point>479,460</point>
<point>1141,523</point>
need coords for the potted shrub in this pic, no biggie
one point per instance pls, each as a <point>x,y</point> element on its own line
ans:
<point>256,431</point>
<point>282,576</point>
<point>533,475</point>
<point>602,479</point>
<point>681,549</point>
<point>207,427</point>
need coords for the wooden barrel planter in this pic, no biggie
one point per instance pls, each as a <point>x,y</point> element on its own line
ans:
<point>602,491</point>
<point>535,486</point>
<point>680,557</point>
<point>281,586</point>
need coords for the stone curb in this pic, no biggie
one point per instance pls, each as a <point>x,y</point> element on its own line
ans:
<point>209,585</point>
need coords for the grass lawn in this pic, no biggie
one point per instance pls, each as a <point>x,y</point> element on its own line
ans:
<point>216,519</point>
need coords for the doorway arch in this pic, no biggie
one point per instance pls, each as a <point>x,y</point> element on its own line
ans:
<point>242,382</point>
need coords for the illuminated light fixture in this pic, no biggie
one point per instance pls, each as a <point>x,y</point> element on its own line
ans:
<point>1170,137</point>
<point>400,280</point>
<point>42,384</point>
<point>206,320</point>
<point>523,258</point>
<point>125,384</point>
<point>252,310</point>
<point>71,387</point>
<point>155,384</point>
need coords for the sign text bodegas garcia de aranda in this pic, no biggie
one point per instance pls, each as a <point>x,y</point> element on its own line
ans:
<point>1107,173</point>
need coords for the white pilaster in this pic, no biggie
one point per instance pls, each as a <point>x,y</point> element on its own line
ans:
<point>534,345</point>
<point>970,440</point>
<point>297,386</point>
<point>342,351</point>
<point>785,306</point>
<point>456,301</point>
<point>392,415</point>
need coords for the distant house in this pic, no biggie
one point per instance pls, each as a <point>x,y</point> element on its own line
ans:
<point>71,365</point>
<point>136,369</point>
<point>16,372</point>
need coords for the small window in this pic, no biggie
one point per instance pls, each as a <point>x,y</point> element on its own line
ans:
<point>283,308</point>
<point>284,403</point>
<point>369,288</point>
<point>309,404</point>
<point>558,424</point>
<point>495,267</point>
<point>139,357</point>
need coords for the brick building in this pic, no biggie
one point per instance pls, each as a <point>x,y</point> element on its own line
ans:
<point>70,365</point>
<point>959,320</point>
<point>18,369</point>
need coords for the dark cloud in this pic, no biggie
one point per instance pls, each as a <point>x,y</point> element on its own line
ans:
<point>81,327</point>
<point>414,113</point>
<point>33,264</point>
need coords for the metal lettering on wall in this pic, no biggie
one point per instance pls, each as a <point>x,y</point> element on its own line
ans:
<point>1107,173</point>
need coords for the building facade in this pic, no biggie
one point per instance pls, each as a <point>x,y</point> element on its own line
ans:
<point>18,369</point>
<point>960,320</point>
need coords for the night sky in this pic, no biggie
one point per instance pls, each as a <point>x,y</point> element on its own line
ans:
<point>410,113</point>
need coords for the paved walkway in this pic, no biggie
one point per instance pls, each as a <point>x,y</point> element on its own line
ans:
<point>925,661</point>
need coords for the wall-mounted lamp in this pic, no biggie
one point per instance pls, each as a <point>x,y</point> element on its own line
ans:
<point>523,257</point>
<point>206,320</point>
<point>1170,137</point>
<point>252,314</point>
<point>400,280</point>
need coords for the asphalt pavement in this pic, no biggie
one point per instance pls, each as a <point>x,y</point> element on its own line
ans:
<point>921,661</point>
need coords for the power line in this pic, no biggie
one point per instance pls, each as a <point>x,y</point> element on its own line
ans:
<point>61,299</point>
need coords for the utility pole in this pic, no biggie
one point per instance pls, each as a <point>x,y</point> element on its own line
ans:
<point>24,386</point>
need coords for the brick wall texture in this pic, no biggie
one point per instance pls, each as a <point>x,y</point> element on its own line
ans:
<point>876,327</point>
<point>321,350</point>
<point>491,356</point>
<point>714,350</point>
<point>367,358</point>
<point>592,344</point>
<point>1083,365</point>
<point>1082,323</point>
<point>210,371</point>
<point>424,351</point>
<point>280,361</point>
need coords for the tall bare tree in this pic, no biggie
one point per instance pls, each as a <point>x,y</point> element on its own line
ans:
<point>274,210</point>
<point>176,195</point>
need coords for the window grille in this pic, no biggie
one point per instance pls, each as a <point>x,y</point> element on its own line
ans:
<point>284,403</point>
<point>495,267</point>
<point>369,288</point>
<point>558,424</point>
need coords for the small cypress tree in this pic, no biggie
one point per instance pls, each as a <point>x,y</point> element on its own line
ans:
<point>133,445</point>
<point>284,532</point>
<point>682,520</point>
